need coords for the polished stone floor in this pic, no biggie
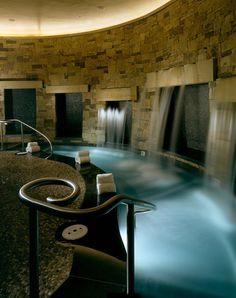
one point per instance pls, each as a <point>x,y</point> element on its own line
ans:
<point>55,260</point>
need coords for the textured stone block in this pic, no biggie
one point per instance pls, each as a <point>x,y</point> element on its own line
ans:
<point>224,90</point>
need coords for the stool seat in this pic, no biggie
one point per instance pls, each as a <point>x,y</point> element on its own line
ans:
<point>95,274</point>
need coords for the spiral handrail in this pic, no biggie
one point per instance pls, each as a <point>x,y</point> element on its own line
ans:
<point>5,122</point>
<point>54,181</point>
<point>68,213</point>
<point>49,207</point>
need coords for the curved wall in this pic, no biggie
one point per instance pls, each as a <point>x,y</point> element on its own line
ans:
<point>184,32</point>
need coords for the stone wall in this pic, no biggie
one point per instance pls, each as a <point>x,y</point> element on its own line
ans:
<point>184,32</point>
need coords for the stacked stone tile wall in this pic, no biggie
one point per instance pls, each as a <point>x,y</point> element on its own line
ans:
<point>184,32</point>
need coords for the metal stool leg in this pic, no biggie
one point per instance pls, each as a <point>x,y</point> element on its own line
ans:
<point>34,252</point>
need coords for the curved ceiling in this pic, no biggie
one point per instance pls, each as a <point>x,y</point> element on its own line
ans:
<point>60,17</point>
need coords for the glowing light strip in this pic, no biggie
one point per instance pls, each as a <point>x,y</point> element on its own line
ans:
<point>39,22</point>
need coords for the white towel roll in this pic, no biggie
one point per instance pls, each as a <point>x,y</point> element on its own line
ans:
<point>105,188</point>
<point>30,144</point>
<point>105,178</point>
<point>82,159</point>
<point>83,153</point>
<point>31,149</point>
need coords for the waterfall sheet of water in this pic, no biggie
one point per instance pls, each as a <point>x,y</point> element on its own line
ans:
<point>160,109</point>
<point>220,155</point>
<point>112,121</point>
<point>177,119</point>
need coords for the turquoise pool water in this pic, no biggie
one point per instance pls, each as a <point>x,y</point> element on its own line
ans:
<point>134,174</point>
<point>187,247</point>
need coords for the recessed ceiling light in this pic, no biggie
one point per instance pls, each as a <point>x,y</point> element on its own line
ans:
<point>69,17</point>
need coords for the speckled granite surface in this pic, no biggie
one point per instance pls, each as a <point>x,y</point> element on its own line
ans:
<point>56,260</point>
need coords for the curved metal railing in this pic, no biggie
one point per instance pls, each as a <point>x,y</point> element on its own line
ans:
<point>5,122</point>
<point>49,207</point>
<point>55,181</point>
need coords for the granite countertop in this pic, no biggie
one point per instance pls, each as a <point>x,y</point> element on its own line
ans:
<point>15,171</point>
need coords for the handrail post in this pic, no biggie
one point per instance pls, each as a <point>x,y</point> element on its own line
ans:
<point>22,134</point>
<point>130,250</point>
<point>34,252</point>
<point>22,137</point>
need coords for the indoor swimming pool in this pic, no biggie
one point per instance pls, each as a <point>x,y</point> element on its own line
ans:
<point>134,173</point>
<point>186,247</point>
